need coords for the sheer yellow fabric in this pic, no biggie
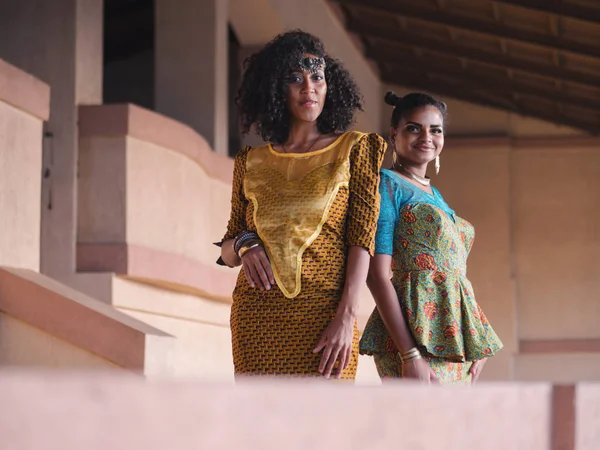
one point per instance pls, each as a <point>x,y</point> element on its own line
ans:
<point>292,195</point>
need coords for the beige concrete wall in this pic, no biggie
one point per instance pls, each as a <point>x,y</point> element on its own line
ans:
<point>177,197</point>
<point>20,187</point>
<point>23,345</point>
<point>134,189</point>
<point>46,324</point>
<point>475,183</point>
<point>61,44</point>
<point>557,241</point>
<point>203,341</point>
<point>534,263</point>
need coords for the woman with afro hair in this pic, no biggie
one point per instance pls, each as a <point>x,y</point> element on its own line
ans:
<point>304,211</point>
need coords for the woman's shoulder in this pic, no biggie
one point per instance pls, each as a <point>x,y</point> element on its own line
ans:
<point>366,145</point>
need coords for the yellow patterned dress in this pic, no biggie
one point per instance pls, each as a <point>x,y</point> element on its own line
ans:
<point>307,209</point>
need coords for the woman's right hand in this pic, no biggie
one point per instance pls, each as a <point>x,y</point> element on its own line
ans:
<point>258,268</point>
<point>418,369</point>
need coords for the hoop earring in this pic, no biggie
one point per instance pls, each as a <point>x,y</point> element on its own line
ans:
<point>437,164</point>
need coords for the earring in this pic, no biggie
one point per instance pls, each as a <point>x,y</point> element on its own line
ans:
<point>394,157</point>
<point>437,164</point>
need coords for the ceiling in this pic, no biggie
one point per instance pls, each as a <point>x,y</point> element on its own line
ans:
<point>536,58</point>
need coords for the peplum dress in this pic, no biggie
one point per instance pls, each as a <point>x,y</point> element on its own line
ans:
<point>429,245</point>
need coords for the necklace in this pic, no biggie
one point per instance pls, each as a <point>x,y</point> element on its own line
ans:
<point>425,181</point>
<point>307,150</point>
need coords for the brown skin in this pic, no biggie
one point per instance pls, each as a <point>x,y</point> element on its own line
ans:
<point>306,98</point>
<point>417,140</point>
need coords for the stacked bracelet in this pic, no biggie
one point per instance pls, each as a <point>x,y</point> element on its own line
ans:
<point>409,355</point>
<point>243,238</point>
<point>245,241</point>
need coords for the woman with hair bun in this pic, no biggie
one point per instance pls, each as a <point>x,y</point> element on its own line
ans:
<point>427,324</point>
<point>304,210</point>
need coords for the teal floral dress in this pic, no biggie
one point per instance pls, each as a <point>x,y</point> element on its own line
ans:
<point>429,245</point>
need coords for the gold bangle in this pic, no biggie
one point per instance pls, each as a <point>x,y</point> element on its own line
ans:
<point>410,354</point>
<point>246,248</point>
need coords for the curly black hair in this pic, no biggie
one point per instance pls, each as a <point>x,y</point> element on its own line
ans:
<point>410,102</point>
<point>262,97</point>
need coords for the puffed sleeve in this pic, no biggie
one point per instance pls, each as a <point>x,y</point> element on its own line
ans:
<point>388,216</point>
<point>366,158</point>
<point>239,203</point>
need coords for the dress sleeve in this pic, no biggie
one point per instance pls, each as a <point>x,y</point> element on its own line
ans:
<point>388,216</point>
<point>365,162</point>
<point>237,217</point>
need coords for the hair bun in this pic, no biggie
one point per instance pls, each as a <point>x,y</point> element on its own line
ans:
<point>391,98</point>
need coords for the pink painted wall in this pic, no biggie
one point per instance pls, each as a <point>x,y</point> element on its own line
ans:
<point>127,413</point>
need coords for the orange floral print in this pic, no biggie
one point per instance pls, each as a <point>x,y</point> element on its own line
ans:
<point>425,262</point>
<point>409,217</point>
<point>419,330</point>
<point>482,317</point>
<point>431,310</point>
<point>439,277</point>
<point>451,330</point>
<point>429,218</point>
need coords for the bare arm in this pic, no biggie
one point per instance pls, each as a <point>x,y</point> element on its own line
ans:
<point>386,299</point>
<point>356,275</point>
<point>336,340</point>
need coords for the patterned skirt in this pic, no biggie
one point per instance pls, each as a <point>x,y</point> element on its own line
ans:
<point>275,335</point>
<point>389,366</point>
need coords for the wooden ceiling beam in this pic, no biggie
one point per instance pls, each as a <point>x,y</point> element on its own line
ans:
<point>461,91</point>
<point>492,28</point>
<point>489,82</point>
<point>402,38</point>
<point>559,8</point>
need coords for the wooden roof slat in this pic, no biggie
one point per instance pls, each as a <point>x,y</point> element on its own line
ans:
<point>559,8</point>
<point>496,59</point>
<point>493,83</point>
<point>485,27</point>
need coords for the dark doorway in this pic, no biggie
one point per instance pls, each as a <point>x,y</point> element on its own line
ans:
<point>129,52</point>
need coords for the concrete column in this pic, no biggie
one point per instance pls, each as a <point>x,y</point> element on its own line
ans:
<point>60,42</point>
<point>191,66</point>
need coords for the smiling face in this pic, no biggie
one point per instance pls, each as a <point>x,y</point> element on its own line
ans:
<point>307,90</point>
<point>419,137</point>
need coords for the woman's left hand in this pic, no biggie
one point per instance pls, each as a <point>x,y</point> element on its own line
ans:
<point>336,344</point>
<point>476,369</point>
